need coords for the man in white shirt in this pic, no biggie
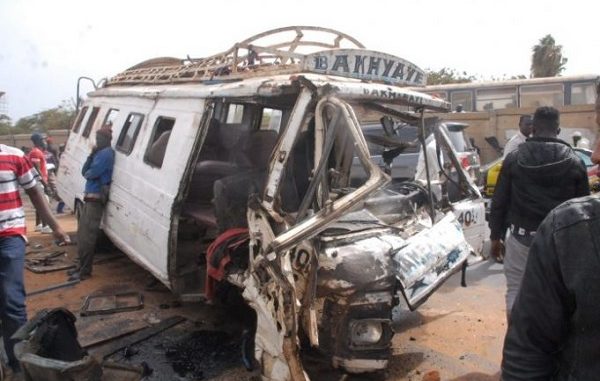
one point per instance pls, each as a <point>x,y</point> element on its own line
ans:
<point>525,123</point>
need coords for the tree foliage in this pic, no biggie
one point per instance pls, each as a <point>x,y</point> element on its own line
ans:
<point>447,75</point>
<point>57,118</point>
<point>5,125</point>
<point>547,59</point>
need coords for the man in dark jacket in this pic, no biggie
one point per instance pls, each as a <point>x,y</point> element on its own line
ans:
<point>554,333</point>
<point>541,174</point>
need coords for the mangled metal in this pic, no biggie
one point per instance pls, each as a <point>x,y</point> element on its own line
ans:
<point>336,272</point>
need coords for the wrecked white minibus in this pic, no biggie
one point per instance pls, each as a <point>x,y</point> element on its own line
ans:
<point>263,137</point>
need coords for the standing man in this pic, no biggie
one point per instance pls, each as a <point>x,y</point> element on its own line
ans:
<point>540,174</point>
<point>16,170</point>
<point>525,124</point>
<point>52,160</point>
<point>554,333</point>
<point>97,171</point>
<point>38,159</point>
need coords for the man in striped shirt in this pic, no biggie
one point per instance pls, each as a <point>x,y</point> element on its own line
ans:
<point>16,170</point>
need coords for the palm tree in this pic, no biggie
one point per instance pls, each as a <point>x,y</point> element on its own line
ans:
<point>547,59</point>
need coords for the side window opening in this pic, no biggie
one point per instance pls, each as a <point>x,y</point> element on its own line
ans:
<point>271,119</point>
<point>110,117</point>
<point>90,122</point>
<point>235,113</point>
<point>464,98</point>
<point>157,146</point>
<point>583,93</point>
<point>80,117</point>
<point>129,133</point>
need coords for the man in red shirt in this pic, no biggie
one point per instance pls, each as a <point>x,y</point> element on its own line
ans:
<point>38,159</point>
<point>15,171</point>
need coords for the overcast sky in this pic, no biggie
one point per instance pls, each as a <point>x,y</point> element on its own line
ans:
<point>45,45</point>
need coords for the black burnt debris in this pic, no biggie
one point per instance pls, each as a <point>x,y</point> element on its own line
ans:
<point>203,354</point>
<point>178,354</point>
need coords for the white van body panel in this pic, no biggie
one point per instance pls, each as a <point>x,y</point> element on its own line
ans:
<point>138,204</point>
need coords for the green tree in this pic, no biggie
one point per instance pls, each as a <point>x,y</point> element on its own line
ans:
<point>57,118</point>
<point>447,75</point>
<point>5,125</point>
<point>547,59</point>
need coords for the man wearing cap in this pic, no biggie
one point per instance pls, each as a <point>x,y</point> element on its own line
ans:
<point>539,175</point>
<point>525,123</point>
<point>97,171</point>
<point>554,333</point>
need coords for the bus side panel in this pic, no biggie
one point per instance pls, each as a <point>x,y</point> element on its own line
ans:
<point>70,183</point>
<point>139,213</point>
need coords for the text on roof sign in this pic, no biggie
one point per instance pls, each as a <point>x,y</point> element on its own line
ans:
<point>367,65</point>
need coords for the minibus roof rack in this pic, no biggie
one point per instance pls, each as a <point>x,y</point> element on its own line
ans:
<point>277,51</point>
<point>289,50</point>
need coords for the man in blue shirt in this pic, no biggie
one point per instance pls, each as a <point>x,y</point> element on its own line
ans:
<point>97,171</point>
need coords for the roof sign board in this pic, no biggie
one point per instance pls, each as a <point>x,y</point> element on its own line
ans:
<point>366,65</point>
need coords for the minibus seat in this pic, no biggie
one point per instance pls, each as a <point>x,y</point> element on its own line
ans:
<point>231,134</point>
<point>258,147</point>
<point>231,193</point>
<point>198,205</point>
<point>212,147</point>
<point>202,214</point>
<point>205,174</point>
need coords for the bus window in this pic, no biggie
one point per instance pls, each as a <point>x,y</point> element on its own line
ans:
<point>129,133</point>
<point>583,93</point>
<point>542,95</point>
<point>464,98</point>
<point>157,146</point>
<point>77,124</point>
<point>90,122</point>
<point>235,113</point>
<point>110,117</point>
<point>493,99</point>
<point>438,94</point>
<point>271,119</point>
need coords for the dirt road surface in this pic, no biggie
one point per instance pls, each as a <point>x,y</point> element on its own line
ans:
<point>457,334</point>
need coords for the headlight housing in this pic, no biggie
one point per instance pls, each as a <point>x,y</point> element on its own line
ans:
<point>365,332</point>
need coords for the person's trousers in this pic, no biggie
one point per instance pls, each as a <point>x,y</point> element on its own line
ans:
<point>515,260</point>
<point>12,306</point>
<point>87,234</point>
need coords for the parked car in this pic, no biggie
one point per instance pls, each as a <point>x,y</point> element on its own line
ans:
<point>404,165</point>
